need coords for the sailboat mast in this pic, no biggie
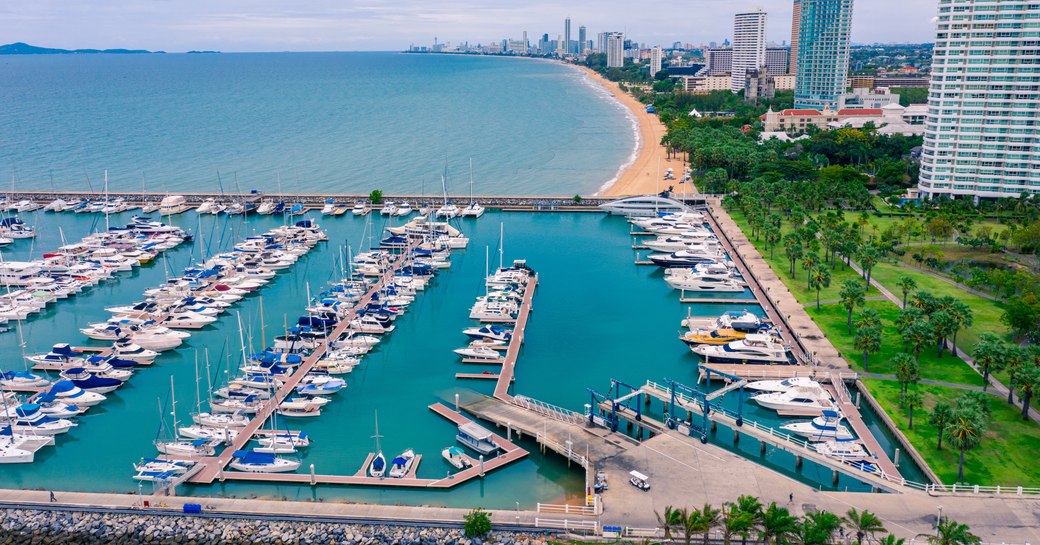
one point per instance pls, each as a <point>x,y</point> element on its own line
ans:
<point>106,201</point>
<point>263,339</point>
<point>501,240</point>
<point>241,340</point>
<point>173,409</point>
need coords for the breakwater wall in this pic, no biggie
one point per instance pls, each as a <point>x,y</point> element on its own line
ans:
<point>317,200</point>
<point>57,526</point>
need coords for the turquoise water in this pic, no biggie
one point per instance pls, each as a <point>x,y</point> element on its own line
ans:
<point>327,122</point>
<point>597,316</point>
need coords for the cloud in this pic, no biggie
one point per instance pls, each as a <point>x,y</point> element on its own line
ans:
<point>259,25</point>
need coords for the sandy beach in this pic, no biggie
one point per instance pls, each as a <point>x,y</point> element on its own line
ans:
<point>641,177</point>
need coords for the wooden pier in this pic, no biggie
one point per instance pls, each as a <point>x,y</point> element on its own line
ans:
<point>838,391</point>
<point>478,376</point>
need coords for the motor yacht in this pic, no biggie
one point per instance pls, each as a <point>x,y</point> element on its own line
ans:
<point>388,209</point>
<point>685,258</point>
<point>130,351</point>
<point>492,332</point>
<point>86,380</point>
<point>173,204</point>
<point>456,457</point>
<point>845,451</point>
<point>826,427</point>
<point>402,464</point>
<point>479,353</point>
<point>712,336</point>
<point>697,281</point>
<point>29,419</point>
<point>68,392</point>
<point>782,385</point>
<point>644,205</point>
<point>360,209</point>
<point>17,380</point>
<point>804,400</point>
<point>753,348</point>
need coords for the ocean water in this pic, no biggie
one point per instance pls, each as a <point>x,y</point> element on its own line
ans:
<point>597,316</point>
<point>317,122</point>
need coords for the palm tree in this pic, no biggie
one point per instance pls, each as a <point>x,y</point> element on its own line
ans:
<point>868,339</point>
<point>965,433</point>
<point>913,400</point>
<point>908,285</point>
<point>917,336</point>
<point>751,506</point>
<point>908,317</point>
<point>818,528</point>
<point>667,520</point>
<point>1014,358</point>
<point>810,261</point>
<point>852,295</point>
<point>794,252</point>
<point>735,522</point>
<point>941,417</point>
<point>891,540</point>
<point>1028,380</point>
<point>819,278</point>
<point>950,532</point>
<point>777,525</point>
<point>907,373</point>
<point>989,356</point>
<point>863,524</point>
<point>709,518</point>
<point>868,257</point>
<point>943,326</point>
<point>964,316</point>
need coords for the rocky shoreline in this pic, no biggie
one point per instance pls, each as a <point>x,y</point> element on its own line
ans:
<point>34,527</point>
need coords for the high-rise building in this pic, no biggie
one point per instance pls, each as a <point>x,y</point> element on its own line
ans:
<point>582,40</point>
<point>796,23</point>
<point>719,61</point>
<point>601,42</point>
<point>777,60</point>
<point>655,60</point>
<point>615,49</point>
<point>749,46</point>
<point>566,35</point>
<point>981,135</point>
<point>823,53</point>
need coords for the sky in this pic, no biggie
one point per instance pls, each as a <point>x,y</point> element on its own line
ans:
<point>382,25</point>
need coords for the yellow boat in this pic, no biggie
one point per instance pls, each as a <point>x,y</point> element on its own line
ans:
<point>717,336</point>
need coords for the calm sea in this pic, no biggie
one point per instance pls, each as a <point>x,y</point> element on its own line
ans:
<point>328,122</point>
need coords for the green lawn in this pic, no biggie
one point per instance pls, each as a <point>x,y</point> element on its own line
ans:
<point>987,312</point>
<point>1006,456</point>
<point>798,285</point>
<point>832,320</point>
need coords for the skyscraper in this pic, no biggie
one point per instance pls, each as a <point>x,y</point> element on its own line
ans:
<point>615,50</point>
<point>601,42</point>
<point>582,40</point>
<point>981,136</point>
<point>749,46</point>
<point>567,35</point>
<point>655,60</point>
<point>823,53</point>
<point>796,23</point>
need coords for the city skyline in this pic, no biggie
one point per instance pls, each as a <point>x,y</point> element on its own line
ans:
<point>326,25</point>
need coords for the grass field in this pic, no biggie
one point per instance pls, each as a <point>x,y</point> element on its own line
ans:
<point>987,313</point>
<point>1006,456</point>
<point>832,320</point>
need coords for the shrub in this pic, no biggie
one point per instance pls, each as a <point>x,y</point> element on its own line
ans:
<point>577,199</point>
<point>478,523</point>
<point>376,196</point>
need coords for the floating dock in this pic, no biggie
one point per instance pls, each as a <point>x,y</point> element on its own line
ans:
<point>506,375</point>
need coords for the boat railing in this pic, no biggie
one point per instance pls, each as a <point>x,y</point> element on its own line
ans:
<point>549,410</point>
<point>583,526</point>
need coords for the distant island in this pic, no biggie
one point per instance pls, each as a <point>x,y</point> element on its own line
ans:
<point>20,48</point>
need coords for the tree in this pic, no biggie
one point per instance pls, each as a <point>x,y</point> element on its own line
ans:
<point>819,278</point>
<point>907,372</point>
<point>478,523</point>
<point>852,295</point>
<point>688,522</point>
<point>735,522</point>
<point>963,316</point>
<point>944,326</point>
<point>868,317</point>
<point>1028,380</point>
<point>818,528</point>
<point>794,253</point>
<point>913,400</point>
<point>941,417</point>
<point>810,261</point>
<point>777,525</point>
<point>1021,316</point>
<point>1014,358</point>
<point>965,433</point>
<point>868,340</point>
<point>376,196</point>
<point>989,356</point>
<point>949,532</point>
<point>709,518</point>
<point>863,524</point>
<point>868,257</point>
<point>908,285</point>
<point>907,317</point>
<point>917,336</point>
<point>667,520</point>
<point>892,540</point>
<point>751,506</point>
<point>772,238</point>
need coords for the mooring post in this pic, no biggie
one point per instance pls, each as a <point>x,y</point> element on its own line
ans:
<point>314,481</point>
<point>762,448</point>
<point>736,436</point>
<point>456,402</point>
<point>481,466</point>
<point>509,431</point>
<point>798,462</point>
<point>834,477</point>
<point>895,460</point>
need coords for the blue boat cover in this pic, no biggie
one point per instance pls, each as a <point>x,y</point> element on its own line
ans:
<point>254,458</point>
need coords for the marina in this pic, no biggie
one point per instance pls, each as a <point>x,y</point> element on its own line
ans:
<point>522,406</point>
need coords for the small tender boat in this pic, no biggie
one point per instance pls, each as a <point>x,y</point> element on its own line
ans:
<point>401,464</point>
<point>456,457</point>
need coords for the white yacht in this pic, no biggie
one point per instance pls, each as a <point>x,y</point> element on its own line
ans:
<point>644,205</point>
<point>401,464</point>
<point>403,209</point>
<point>448,211</point>
<point>472,210</point>
<point>781,385</point>
<point>360,209</point>
<point>690,280</point>
<point>846,451</point>
<point>388,209</point>
<point>173,204</point>
<point>479,353</point>
<point>801,400</point>
<point>753,348</point>
<point>826,427</point>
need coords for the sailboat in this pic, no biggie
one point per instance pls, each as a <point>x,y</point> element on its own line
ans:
<point>378,466</point>
<point>473,209</point>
